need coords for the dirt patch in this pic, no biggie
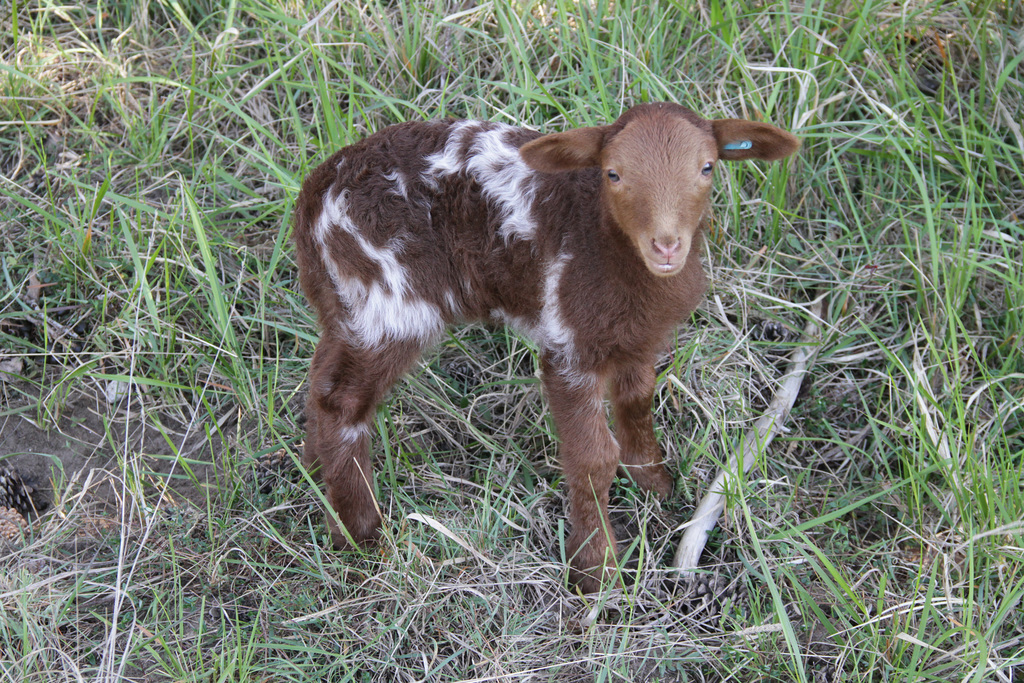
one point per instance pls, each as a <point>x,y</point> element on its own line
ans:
<point>88,444</point>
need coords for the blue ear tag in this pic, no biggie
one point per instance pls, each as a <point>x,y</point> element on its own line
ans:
<point>742,144</point>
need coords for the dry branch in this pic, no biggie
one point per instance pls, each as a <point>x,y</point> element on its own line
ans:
<point>757,439</point>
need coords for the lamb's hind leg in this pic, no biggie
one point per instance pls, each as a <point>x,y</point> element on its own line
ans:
<point>346,384</point>
<point>642,460</point>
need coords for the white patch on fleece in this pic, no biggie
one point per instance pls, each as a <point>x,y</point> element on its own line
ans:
<point>448,161</point>
<point>548,331</point>
<point>504,177</point>
<point>555,333</point>
<point>506,180</point>
<point>352,433</point>
<point>385,309</point>
<point>587,381</point>
<point>557,336</point>
<point>398,179</point>
<point>584,380</point>
<point>453,305</point>
<point>520,324</point>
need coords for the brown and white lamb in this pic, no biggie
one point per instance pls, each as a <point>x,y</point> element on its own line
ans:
<point>586,241</point>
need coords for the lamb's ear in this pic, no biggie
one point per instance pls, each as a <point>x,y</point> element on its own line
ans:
<point>738,139</point>
<point>568,151</point>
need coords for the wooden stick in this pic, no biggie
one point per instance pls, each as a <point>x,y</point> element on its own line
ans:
<point>756,440</point>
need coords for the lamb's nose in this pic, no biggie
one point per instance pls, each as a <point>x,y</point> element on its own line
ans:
<point>666,251</point>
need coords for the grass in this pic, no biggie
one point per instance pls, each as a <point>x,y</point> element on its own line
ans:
<point>150,156</point>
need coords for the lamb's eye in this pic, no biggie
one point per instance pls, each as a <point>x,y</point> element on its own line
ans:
<point>707,168</point>
<point>613,176</point>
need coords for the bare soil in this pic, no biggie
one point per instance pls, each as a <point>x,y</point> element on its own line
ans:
<point>76,448</point>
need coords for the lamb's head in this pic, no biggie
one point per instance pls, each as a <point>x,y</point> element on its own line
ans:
<point>657,162</point>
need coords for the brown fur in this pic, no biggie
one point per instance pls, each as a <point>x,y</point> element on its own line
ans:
<point>608,262</point>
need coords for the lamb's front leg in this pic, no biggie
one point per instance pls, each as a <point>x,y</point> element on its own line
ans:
<point>589,457</point>
<point>642,460</point>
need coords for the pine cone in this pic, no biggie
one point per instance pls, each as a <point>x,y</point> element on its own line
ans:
<point>274,469</point>
<point>12,524</point>
<point>14,492</point>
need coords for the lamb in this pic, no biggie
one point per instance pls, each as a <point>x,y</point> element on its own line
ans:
<point>585,241</point>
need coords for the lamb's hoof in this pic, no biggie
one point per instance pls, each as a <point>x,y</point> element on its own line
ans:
<point>365,535</point>
<point>593,581</point>
<point>653,478</point>
<point>592,571</point>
